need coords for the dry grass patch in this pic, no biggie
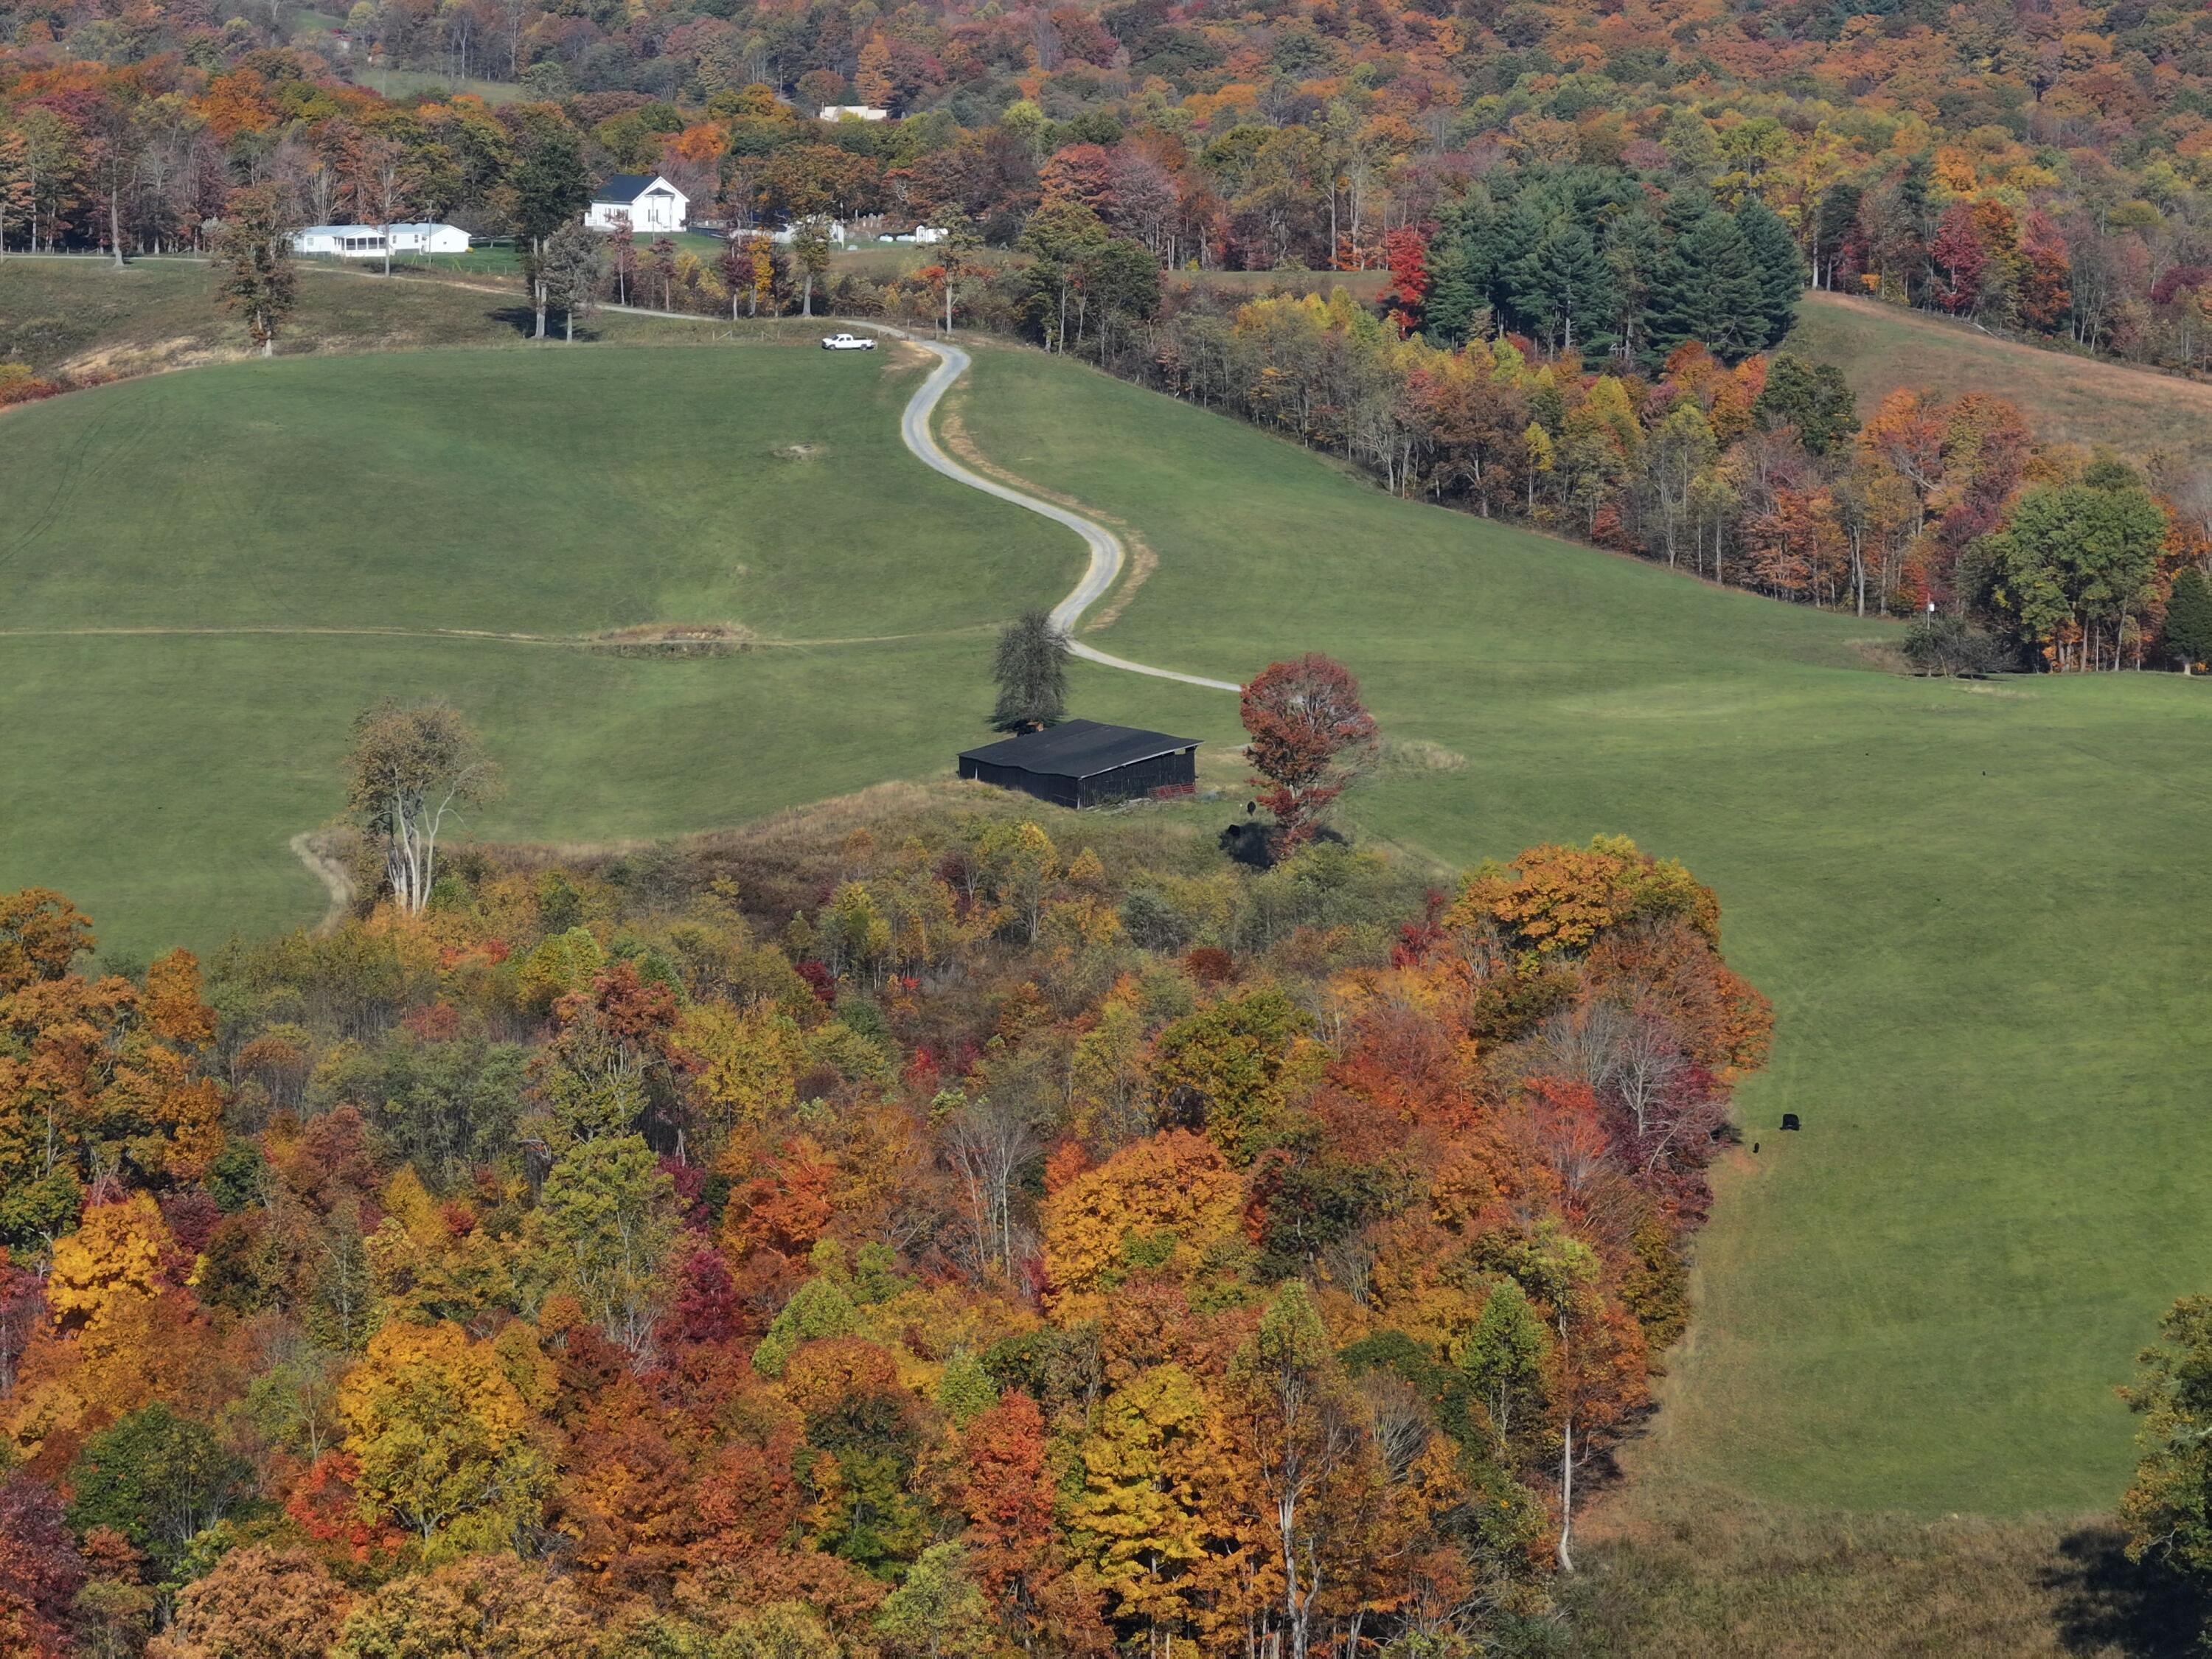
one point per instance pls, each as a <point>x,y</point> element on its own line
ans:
<point>2069,399</point>
<point>1691,1571</point>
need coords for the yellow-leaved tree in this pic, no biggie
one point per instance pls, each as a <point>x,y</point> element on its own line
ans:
<point>1168,1206</point>
<point>445,1438</point>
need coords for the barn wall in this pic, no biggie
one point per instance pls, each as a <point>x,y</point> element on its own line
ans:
<point>1141,778</point>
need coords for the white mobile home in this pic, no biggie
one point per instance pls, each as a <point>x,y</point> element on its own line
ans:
<point>645,202</point>
<point>368,241</point>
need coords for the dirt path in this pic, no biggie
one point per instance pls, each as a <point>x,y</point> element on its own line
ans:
<point>333,875</point>
<point>1108,556</point>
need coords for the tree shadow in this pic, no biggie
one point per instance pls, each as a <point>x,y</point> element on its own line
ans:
<point>2105,1603</point>
<point>524,321</point>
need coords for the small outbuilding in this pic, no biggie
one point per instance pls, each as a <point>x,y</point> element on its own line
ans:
<point>643,201</point>
<point>1085,764</point>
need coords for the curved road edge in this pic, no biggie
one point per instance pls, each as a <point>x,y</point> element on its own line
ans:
<point>1107,555</point>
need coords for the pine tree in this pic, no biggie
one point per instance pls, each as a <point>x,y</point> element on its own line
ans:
<point>1708,290</point>
<point>1565,290</point>
<point>1839,217</point>
<point>1032,673</point>
<point>1458,281</point>
<point>2189,619</point>
<point>1779,267</point>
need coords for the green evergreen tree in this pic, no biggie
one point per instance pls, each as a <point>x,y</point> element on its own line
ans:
<point>1708,290</point>
<point>1565,290</point>
<point>1779,266</point>
<point>1459,277</point>
<point>2189,619</point>
<point>1839,217</point>
<point>1634,249</point>
<point>1032,673</point>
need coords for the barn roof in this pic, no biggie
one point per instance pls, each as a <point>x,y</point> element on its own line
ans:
<point>629,186</point>
<point>1079,749</point>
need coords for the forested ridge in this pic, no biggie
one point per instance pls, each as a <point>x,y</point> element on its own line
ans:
<point>896,1232</point>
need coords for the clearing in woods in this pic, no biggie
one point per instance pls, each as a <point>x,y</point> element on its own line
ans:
<point>2083,400</point>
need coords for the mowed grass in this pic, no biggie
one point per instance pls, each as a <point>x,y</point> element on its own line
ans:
<point>86,315</point>
<point>1972,905</point>
<point>254,528</point>
<point>2074,399</point>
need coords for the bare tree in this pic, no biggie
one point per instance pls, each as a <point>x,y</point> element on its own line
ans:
<point>411,766</point>
<point>990,1142</point>
<point>383,187</point>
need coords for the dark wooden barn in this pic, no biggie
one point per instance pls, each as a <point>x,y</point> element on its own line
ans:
<point>1085,764</point>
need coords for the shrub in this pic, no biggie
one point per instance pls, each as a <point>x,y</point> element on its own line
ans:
<point>1951,647</point>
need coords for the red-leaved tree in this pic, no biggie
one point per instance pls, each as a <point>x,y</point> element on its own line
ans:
<point>1310,737</point>
<point>1407,294</point>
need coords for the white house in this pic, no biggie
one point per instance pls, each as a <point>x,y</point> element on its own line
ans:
<point>925,234</point>
<point>368,241</point>
<point>858,112</point>
<point>645,202</point>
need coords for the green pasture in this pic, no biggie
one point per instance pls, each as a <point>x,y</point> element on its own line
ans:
<point>87,315</point>
<point>1977,907</point>
<point>211,572</point>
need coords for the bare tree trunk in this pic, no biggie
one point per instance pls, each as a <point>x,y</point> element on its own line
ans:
<point>1567,1498</point>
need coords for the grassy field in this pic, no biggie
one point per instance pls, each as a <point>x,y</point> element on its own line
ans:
<point>86,315</point>
<point>407,83</point>
<point>2067,398</point>
<point>1698,1572</point>
<point>156,772</point>
<point>1989,1018</point>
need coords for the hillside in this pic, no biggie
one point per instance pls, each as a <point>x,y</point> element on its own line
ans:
<point>2066,398</point>
<point>1992,1045</point>
<point>1899,860</point>
<point>85,316</point>
<point>181,656</point>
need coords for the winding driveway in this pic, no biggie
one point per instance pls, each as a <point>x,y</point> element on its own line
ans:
<point>1107,554</point>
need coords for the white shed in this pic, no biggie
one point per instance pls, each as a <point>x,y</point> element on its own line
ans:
<point>854,113</point>
<point>368,241</point>
<point>645,202</point>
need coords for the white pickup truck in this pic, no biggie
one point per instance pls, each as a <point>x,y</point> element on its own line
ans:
<point>848,343</point>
